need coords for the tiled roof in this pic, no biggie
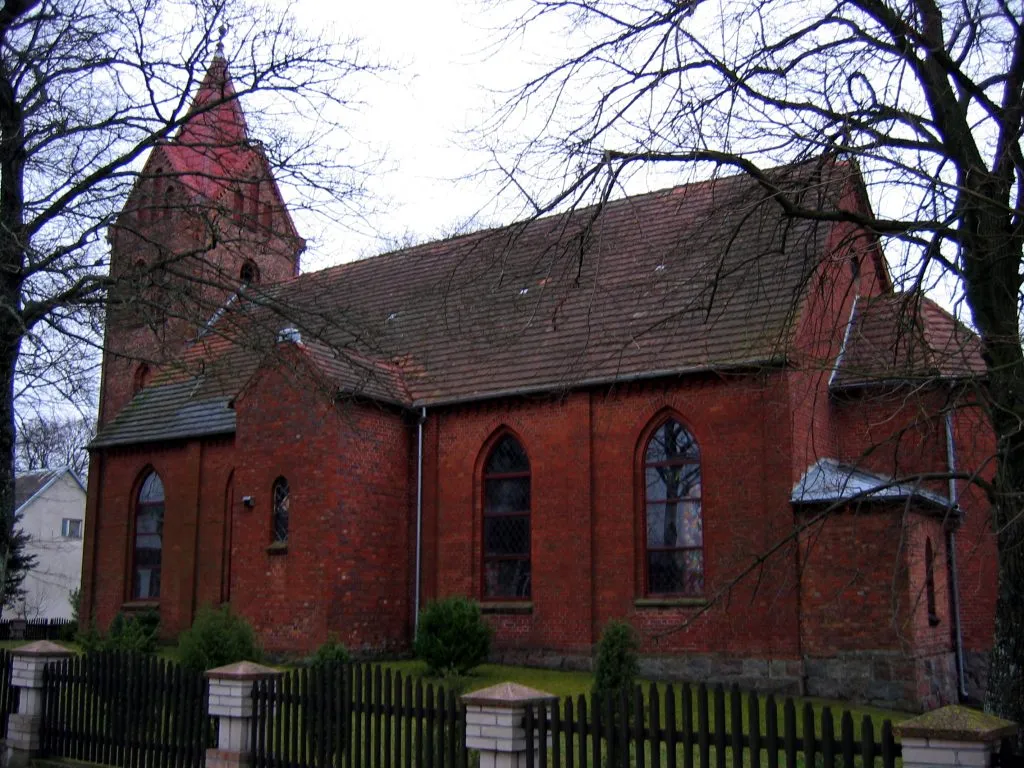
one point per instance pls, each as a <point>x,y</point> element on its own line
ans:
<point>705,276</point>
<point>169,412</point>
<point>906,337</point>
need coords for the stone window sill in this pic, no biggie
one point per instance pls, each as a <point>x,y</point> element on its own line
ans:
<point>670,602</point>
<point>509,607</point>
<point>278,548</point>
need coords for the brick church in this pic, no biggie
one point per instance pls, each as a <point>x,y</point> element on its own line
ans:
<point>683,409</point>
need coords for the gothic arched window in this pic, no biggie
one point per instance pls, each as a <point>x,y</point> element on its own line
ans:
<point>506,528</point>
<point>148,548</point>
<point>279,518</point>
<point>249,273</point>
<point>674,541</point>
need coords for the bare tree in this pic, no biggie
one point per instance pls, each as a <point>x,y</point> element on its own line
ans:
<point>50,442</point>
<point>925,96</point>
<point>87,89</point>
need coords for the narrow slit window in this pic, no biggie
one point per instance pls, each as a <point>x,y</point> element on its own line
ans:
<point>148,547</point>
<point>282,499</point>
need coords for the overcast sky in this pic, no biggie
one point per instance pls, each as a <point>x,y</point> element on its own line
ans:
<point>422,115</point>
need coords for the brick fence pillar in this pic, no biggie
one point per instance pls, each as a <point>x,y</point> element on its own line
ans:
<point>23,726</point>
<point>951,736</point>
<point>494,723</point>
<point>231,701</point>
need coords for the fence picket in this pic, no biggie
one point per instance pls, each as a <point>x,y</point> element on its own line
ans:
<point>638,729</point>
<point>847,726</point>
<point>703,726</point>
<point>772,731</point>
<point>654,707</point>
<point>736,725</point>
<point>670,725</point>
<point>867,742</point>
<point>888,746</point>
<point>789,726</point>
<point>828,744</point>
<point>687,701</point>
<point>530,763</point>
<point>754,716</point>
<point>808,734</point>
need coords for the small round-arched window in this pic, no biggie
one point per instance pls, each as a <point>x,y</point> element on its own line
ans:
<point>279,522</point>
<point>142,377</point>
<point>250,273</point>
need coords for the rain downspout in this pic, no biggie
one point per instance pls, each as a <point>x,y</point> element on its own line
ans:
<point>954,578</point>
<point>419,518</point>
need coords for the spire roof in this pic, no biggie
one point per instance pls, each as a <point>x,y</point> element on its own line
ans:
<point>212,149</point>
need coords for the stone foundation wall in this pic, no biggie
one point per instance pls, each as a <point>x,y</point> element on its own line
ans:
<point>976,676</point>
<point>884,679</point>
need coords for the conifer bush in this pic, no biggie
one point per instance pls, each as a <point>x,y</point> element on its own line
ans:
<point>217,637</point>
<point>617,664</point>
<point>333,651</point>
<point>452,636</point>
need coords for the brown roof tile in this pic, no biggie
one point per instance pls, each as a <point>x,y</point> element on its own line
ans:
<point>906,337</point>
<point>702,276</point>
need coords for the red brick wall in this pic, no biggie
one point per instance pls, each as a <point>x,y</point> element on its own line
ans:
<point>854,587</point>
<point>191,473</point>
<point>584,451</point>
<point>346,569</point>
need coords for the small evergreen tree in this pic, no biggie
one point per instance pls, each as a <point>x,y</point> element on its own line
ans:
<point>217,637</point>
<point>452,636</point>
<point>617,665</point>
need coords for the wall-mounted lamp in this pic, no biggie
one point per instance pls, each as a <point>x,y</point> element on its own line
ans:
<point>248,502</point>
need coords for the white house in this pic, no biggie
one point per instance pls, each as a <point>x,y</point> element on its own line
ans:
<point>51,503</point>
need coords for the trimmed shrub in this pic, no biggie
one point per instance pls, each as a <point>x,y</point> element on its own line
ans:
<point>136,632</point>
<point>217,637</point>
<point>452,636</point>
<point>617,666</point>
<point>331,652</point>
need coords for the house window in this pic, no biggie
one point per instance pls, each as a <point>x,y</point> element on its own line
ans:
<point>71,528</point>
<point>506,529</point>
<point>279,523</point>
<point>929,582</point>
<point>149,525</point>
<point>672,513</point>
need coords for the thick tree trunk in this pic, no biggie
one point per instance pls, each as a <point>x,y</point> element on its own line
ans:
<point>8,356</point>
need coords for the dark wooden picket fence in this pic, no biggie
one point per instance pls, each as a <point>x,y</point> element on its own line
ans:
<point>355,716</point>
<point>126,710</point>
<point>697,727</point>
<point>1008,755</point>
<point>8,695</point>
<point>37,629</point>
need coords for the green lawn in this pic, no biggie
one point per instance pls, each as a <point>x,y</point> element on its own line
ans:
<point>562,684</point>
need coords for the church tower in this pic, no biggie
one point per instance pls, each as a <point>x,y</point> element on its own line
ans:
<point>204,220</point>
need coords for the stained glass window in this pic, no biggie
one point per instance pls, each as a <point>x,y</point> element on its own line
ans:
<point>149,528</point>
<point>674,524</point>
<point>506,526</point>
<point>280,513</point>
